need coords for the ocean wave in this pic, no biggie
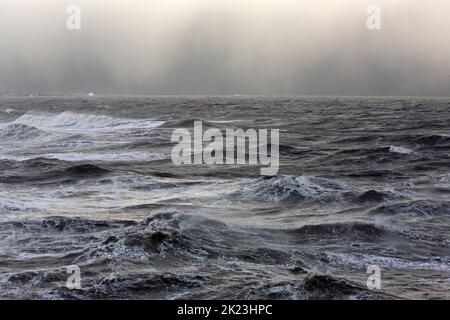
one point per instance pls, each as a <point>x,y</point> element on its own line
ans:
<point>373,196</point>
<point>77,122</point>
<point>189,123</point>
<point>171,239</point>
<point>81,171</point>
<point>293,152</point>
<point>414,207</point>
<point>376,173</point>
<point>19,131</point>
<point>324,286</point>
<point>313,286</point>
<point>142,285</point>
<point>432,140</point>
<point>163,238</point>
<point>10,110</point>
<point>100,157</point>
<point>30,283</point>
<point>65,224</point>
<point>52,172</point>
<point>344,230</point>
<point>366,189</point>
<point>443,181</point>
<point>400,150</point>
<point>429,140</point>
<point>359,139</point>
<point>173,228</point>
<point>301,188</point>
<point>43,284</point>
<point>361,261</point>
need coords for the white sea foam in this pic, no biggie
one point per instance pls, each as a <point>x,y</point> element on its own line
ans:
<point>75,122</point>
<point>85,156</point>
<point>443,181</point>
<point>19,131</point>
<point>400,150</point>
<point>128,156</point>
<point>286,187</point>
<point>362,260</point>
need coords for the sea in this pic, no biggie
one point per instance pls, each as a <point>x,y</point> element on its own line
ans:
<point>92,206</point>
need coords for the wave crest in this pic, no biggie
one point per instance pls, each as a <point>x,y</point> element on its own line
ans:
<point>19,131</point>
<point>70,121</point>
<point>302,188</point>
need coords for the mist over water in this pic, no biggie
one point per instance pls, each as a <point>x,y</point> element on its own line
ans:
<point>226,47</point>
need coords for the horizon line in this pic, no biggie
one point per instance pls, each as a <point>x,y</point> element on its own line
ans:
<point>86,95</point>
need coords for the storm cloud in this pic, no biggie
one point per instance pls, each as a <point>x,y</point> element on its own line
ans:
<point>293,47</point>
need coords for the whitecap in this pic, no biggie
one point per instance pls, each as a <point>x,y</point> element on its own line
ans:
<point>286,188</point>
<point>78,122</point>
<point>19,131</point>
<point>443,181</point>
<point>400,150</point>
<point>364,260</point>
<point>85,156</point>
<point>125,156</point>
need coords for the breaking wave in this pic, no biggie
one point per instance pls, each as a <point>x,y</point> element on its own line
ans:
<point>400,150</point>
<point>362,182</point>
<point>302,188</point>
<point>177,239</point>
<point>70,121</point>
<point>19,131</point>
<point>100,157</point>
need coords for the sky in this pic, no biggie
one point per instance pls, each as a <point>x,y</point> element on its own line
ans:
<point>274,47</point>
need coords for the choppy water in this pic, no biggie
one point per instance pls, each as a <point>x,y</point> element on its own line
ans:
<point>89,182</point>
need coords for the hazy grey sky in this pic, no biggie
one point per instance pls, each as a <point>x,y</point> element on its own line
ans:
<point>226,47</point>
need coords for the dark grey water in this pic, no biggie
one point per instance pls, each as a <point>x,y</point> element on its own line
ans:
<point>89,182</point>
